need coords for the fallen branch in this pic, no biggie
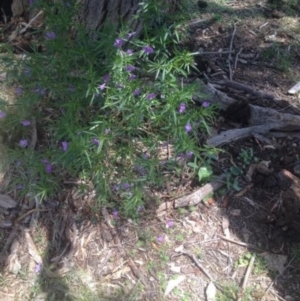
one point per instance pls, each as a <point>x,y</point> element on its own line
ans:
<point>197,196</point>
<point>236,134</point>
<point>242,244</point>
<point>230,49</point>
<point>246,89</point>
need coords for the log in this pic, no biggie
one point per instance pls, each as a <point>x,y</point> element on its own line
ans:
<point>197,196</point>
<point>261,120</point>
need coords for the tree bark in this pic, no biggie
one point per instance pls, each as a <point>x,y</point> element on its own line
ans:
<point>94,13</point>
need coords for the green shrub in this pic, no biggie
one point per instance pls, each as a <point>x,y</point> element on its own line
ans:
<point>104,109</point>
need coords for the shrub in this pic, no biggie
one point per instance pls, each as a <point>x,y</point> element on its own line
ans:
<point>104,110</point>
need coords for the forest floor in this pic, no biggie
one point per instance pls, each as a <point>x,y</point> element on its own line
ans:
<point>77,251</point>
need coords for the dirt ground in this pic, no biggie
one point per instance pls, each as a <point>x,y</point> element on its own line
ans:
<point>69,249</point>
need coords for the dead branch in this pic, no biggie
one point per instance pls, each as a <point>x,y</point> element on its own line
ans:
<point>197,196</point>
<point>230,49</point>
<point>247,89</point>
<point>242,244</point>
<point>236,134</point>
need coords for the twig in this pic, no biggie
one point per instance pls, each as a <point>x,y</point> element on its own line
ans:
<point>242,244</point>
<point>245,281</point>
<point>230,49</point>
<point>29,24</point>
<point>212,52</point>
<point>237,57</point>
<point>29,212</point>
<point>199,265</point>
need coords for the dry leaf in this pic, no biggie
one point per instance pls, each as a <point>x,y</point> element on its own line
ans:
<point>174,268</point>
<point>173,283</point>
<point>211,292</point>
<point>14,265</point>
<point>7,202</point>
<point>32,249</point>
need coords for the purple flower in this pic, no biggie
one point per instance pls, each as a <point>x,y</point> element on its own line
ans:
<point>188,127</point>
<point>106,78</point>
<point>140,208</point>
<point>181,108</point>
<point>151,96</point>
<point>136,92</point>
<point>64,145</point>
<point>132,76</point>
<point>38,267</point>
<point>189,154</point>
<point>26,122</point>
<point>18,91</point>
<point>23,143</point>
<point>71,88</point>
<point>115,213</point>
<point>141,170</point>
<point>48,168</point>
<point>96,142</point>
<point>148,49</point>
<point>160,239</point>
<point>129,68</point>
<point>131,34</point>
<point>169,224</point>
<point>115,188</point>
<point>126,186</point>
<point>129,52</point>
<point>50,35</point>
<point>205,104</point>
<point>107,131</point>
<point>102,87</point>
<point>118,43</point>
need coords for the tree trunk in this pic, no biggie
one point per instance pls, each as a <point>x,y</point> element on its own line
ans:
<point>95,13</point>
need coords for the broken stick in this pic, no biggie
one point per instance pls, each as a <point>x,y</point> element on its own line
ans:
<point>197,196</point>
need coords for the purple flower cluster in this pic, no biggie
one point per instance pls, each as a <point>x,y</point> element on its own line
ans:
<point>2,114</point>
<point>48,165</point>
<point>122,186</point>
<point>182,108</point>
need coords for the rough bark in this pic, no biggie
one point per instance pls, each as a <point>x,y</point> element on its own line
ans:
<point>94,13</point>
